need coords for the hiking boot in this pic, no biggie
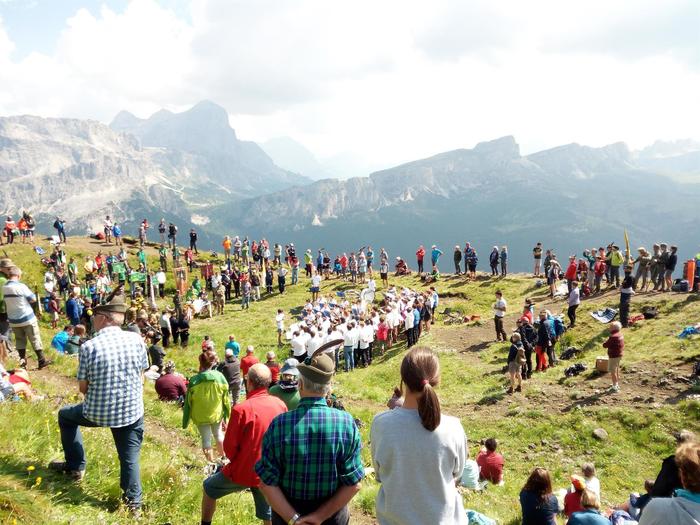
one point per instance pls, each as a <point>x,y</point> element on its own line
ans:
<point>45,363</point>
<point>519,388</point>
<point>60,466</point>
<point>509,391</point>
<point>22,364</point>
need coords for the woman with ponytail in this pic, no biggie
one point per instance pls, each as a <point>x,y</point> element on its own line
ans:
<point>417,452</point>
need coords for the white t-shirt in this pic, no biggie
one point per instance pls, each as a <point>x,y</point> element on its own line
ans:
<point>298,345</point>
<point>499,309</point>
<point>316,280</point>
<point>279,319</point>
<point>18,302</point>
<point>350,338</point>
<point>408,321</point>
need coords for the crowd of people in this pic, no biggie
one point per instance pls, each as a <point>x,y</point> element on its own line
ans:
<point>275,428</point>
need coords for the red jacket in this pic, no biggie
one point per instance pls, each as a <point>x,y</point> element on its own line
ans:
<point>615,344</point>
<point>599,268</point>
<point>420,254</point>
<point>247,362</point>
<point>572,503</point>
<point>571,272</point>
<point>244,435</point>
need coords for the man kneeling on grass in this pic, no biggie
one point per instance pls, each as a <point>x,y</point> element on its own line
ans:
<point>242,445</point>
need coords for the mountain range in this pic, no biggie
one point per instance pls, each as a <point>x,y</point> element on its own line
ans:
<point>192,169</point>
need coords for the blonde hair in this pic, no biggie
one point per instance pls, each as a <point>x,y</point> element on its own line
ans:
<point>688,461</point>
<point>590,500</point>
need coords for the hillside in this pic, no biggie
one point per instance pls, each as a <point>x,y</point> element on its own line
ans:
<point>487,195</point>
<point>549,424</point>
<point>177,164</point>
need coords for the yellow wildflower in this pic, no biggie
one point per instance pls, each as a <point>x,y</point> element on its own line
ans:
<point>30,468</point>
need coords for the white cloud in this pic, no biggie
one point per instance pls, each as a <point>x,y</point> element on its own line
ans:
<point>390,81</point>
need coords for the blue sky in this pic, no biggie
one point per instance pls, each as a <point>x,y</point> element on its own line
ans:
<point>389,80</point>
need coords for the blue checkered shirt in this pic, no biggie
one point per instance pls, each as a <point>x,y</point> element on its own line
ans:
<point>112,362</point>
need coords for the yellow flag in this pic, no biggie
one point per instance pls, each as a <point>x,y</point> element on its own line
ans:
<point>627,248</point>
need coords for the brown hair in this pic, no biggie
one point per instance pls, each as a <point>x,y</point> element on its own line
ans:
<point>420,372</point>
<point>207,359</point>
<point>688,461</point>
<point>539,482</point>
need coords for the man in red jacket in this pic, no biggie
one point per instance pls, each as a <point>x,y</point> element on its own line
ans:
<point>615,344</point>
<point>242,446</point>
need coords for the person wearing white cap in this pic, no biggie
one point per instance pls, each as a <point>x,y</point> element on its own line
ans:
<point>435,255</point>
<point>287,389</point>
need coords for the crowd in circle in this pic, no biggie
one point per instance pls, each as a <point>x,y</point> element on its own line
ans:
<point>274,428</point>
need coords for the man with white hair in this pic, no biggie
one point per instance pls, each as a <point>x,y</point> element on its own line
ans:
<point>242,446</point>
<point>19,303</point>
<point>311,464</point>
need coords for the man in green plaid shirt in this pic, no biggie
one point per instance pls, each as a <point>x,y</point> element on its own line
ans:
<point>311,465</point>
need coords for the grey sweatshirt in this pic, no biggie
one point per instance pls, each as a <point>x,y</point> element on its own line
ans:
<point>417,469</point>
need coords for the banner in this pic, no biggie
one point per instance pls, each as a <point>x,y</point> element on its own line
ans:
<point>180,275</point>
<point>137,277</point>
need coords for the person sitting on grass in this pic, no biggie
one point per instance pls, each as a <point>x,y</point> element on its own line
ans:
<point>15,385</point>
<point>470,474</point>
<point>590,515</point>
<point>539,506</point>
<point>572,500</point>
<point>589,475</point>
<point>171,386</point>
<point>684,508</point>
<point>60,340</point>
<point>490,462</point>
<point>78,338</point>
<point>207,404</point>
<point>668,480</point>
<point>516,360</point>
<point>615,345</point>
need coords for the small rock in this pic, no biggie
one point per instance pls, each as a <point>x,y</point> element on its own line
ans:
<point>600,434</point>
<point>656,405</point>
<point>645,381</point>
<point>649,399</point>
<point>532,446</point>
<point>637,399</point>
<point>556,446</point>
<point>559,451</point>
<point>544,442</point>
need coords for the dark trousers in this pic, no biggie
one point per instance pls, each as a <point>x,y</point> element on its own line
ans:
<point>161,290</point>
<point>624,309</point>
<point>494,269</point>
<point>193,246</point>
<point>551,355</point>
<point>227,293</point>
<point>166,336</point>
<point>615,275</point>
<point>571,313</point>
<point>527,367</point>
<point>420,266</point>
<point>458,267</point>
<point>303,507</point>
<point>127,439</point>
<point>409,338</point>
<point>498,321</point>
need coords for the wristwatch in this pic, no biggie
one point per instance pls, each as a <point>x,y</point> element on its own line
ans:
<point>293,519</point>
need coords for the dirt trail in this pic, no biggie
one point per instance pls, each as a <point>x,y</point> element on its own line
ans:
<point>643,384</point>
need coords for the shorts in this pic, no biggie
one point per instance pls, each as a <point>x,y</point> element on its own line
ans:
<point>280,330</point>
<point>513,367</point>
<point>472,267</point>
<point>613,364</point>
<point>218,485</point>
<point>383,276</point>
<point>315,289</point>
<point>208,431</point>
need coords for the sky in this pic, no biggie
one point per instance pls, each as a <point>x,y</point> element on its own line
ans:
<point>387,81</point>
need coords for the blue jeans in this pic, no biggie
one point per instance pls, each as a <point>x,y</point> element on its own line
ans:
<point>218,485</point>
<point>349,358</point>
<point>245,302</point>
<point>127,439</point>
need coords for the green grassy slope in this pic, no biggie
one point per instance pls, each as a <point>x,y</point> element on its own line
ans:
<point>549,424</point>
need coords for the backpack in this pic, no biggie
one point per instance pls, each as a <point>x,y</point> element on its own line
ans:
<point>56,224</point>
<point>680,285</point>
<point>650,312</point>
<point>520,358</point>
<point>559,327</point>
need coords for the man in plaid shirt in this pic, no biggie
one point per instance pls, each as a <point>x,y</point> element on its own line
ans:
<point>311,465</point>
<point>110,375</point>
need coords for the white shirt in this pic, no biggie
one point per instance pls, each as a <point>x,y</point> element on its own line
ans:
<point>160,277</point>
<point>298,345</point>
<point>18,302</point>
<point>408,321</point>
<point>316,280</point>
<point>350,338</point>
<point>313,344</point>
<point>366,336</point>
<point>279,319</point>
<point>499,307</point>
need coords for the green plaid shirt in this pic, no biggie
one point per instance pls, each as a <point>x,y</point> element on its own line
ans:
<point>310,451</point>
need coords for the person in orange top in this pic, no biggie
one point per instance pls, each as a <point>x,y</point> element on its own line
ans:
<point>22,227</point>
<point>227,247</point>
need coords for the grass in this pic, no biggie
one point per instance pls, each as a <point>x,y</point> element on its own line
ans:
<point>550,424</point>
